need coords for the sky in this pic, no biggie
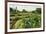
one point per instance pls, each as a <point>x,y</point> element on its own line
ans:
<point>27,7</point>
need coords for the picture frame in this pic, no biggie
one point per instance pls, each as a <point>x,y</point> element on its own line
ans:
<point>24,3</point>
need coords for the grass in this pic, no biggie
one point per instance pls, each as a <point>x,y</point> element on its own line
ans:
<point>25,20</point>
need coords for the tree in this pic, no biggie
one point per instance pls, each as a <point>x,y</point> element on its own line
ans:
<point>24,10</point>
<point>38,10</point>
<point>11,9</point>
<point>33,11</point>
